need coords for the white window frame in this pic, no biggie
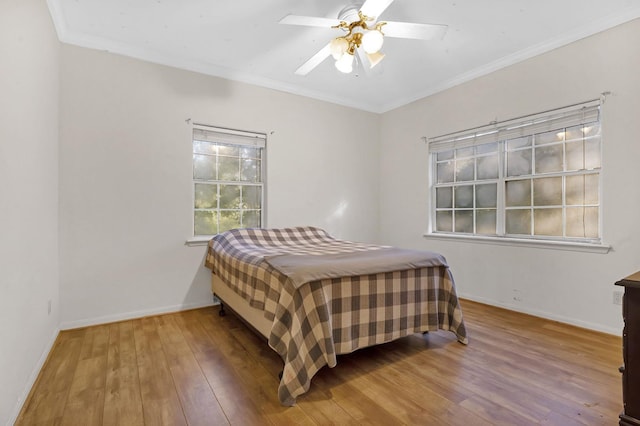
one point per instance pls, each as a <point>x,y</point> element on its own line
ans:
<point>499,132</point>
<point>225,136</point>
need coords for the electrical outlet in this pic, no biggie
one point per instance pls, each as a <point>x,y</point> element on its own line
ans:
<point>617,297</point>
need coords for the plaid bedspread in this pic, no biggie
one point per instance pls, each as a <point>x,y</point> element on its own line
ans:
<point>316,321</point>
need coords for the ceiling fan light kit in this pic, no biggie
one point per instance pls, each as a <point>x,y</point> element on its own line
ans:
<point>338,46</point>
<point>345,63</point>
<point>361,32</point>
<point>372,41</point>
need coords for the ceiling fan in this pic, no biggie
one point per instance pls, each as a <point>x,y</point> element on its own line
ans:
<point>362,29</point>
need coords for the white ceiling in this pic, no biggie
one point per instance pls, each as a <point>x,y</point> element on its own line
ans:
<point>242,40</point>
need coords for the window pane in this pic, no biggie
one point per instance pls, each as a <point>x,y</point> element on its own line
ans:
<point>518,143</point>
<point>518,193</point>
<point>464,152</point>
<point>486,195</point>
<point>229,196</point>
<point>250,171</point>
<point>204,167</point>
<point>444,198</point>
<point>486,222</point>
<point>592,189</point>
<point>549,159</point>
<point>518,222</point>
<point>547,191</point>
<point>582,222</point>
<point>445,155</point>
<point>251,197</point>
<point>519,163</point>
<point>547,222</point>
<point>582,190</point>
<point>464,170</point>
<point>592,154</point>
<point>201,147</point>
<point>206,196</point>
<point>229,168</point>
<point>246,152</point>
<point>591,130</point>
<point>583,152</point>
<point>575,155</point>
<point>445,172</point>
<point>464,196</point>
<point>487,147</point>
<point>229,220</point>
<point>229,150</point>
<point>464,221</point>
<point>251,218</point>
<point>205,223</point>
<point>444,221</point>
<point>549,137</point>
<point>573,133</point>
<point>582,132</point>
<point>488,167</point>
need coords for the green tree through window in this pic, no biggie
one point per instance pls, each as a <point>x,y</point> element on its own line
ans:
<point>228,183</point>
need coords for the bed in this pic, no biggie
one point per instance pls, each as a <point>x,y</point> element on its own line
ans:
<point>313,296</point>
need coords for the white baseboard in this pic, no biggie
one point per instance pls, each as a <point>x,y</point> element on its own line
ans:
<point>68,325</point>
<point>543,314</point>
<point>33,377</point>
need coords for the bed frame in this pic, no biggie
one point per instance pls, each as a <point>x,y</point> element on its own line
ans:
<point>228,298</point>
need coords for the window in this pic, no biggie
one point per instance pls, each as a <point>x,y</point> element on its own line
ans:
<point>536,177</point>
<point>228,180</point>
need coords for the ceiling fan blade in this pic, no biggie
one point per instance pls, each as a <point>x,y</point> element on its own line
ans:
<point>314,61</point>
<point>374,8</point>
<point>310,21</point>
<point>415,31</point>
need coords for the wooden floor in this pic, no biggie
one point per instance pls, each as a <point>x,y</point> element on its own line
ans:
<point>197,368</point>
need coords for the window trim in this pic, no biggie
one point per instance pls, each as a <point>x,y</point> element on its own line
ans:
<point>229,137</point>
<point>522,242</point>
<point>564,117</point>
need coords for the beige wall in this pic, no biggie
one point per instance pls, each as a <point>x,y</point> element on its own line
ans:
<point>125,177</point>
<point>568,286</point>
<point>29,52</point>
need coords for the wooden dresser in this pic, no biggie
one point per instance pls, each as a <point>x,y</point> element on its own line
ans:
<point>630,415</point>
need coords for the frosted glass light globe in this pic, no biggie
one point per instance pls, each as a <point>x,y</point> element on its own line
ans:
<point>372,41</point>
<point>338,46</point>
<point>345,63</point>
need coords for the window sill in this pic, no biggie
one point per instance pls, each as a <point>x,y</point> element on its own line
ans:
<point>197,241</point>
<point>524,242</point>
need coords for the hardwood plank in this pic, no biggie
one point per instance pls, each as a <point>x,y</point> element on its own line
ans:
<point>198,402</point>
<point>196,367</point>
<point>395,392</point>
<point>493,413</point>
<point>234,398</point>
<point>262,385</point>
<point>85,402</point>
<point>160,402</point>
<point>122,401</point>
<point>322,408</point>
<point>48,398</point>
